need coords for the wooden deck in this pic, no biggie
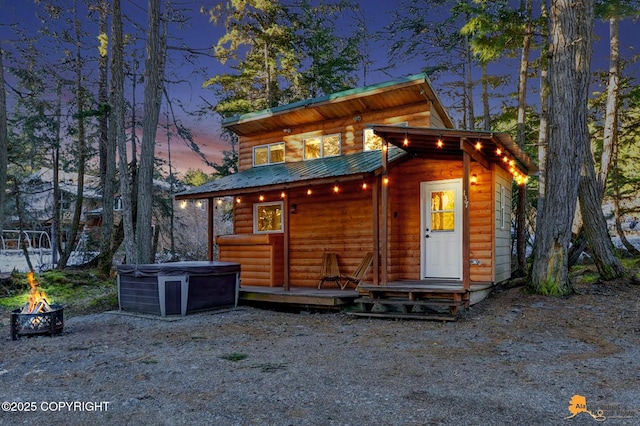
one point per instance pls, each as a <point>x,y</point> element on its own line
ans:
<point>401,299</point>
<point>302,297</point>
<point>432,300</point>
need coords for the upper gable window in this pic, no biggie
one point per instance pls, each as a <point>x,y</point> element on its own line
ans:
<point>321,146</point>
<point>268,154</point>
<point>371,141</point>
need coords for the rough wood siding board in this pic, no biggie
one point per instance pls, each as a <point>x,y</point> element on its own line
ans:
<point>503,236</point>
<point>481,224</point>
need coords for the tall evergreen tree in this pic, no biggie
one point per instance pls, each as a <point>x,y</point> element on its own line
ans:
<point>154,83</point>
<point>571,32</point>
<point>4,143</point>
<point>280,54</point>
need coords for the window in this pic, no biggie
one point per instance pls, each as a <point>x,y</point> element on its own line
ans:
<point>321,146</point>
<point>117,203</point>
<point>371,141</point>
<point>64,203</point>
<point>442,211</point>
<point>267,217</point>
<point>268,154</point>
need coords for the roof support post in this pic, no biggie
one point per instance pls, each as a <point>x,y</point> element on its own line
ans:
<point>375,199</point>
<point>385,213</point>
<point>211,239</point>
<point>466,228</point>
<point>286,212</point>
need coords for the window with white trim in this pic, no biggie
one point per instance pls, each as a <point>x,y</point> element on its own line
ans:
<point>371,141</point>
<point>268,154</point>
<point>321,146</point>
<point>268,218</point>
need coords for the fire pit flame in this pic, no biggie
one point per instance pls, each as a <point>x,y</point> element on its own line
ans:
<point>36,316</point>
<point>37,299</point>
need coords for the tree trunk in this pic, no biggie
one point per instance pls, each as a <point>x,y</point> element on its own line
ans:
<point>485,97</point>
<point>81,154</point>
<point>610,133</point>
<point>616,203</point>
<point>107,160</point>
<point>592,187</point>
<point>544,110</point>
<point>4,144</point>
<point>571,31</point>
<point>471,119</point>
<point>20,212</point>
<point>154,82</point>
<point>117,122</point>
<point>594,223</point>
<point>56,234</point>
<point>521,208</point>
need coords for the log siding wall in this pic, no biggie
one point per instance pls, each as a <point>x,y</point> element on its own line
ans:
<point>343,223</point>
<point>350,132</point>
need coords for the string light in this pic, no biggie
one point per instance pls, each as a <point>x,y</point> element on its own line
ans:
<point>261,197</point>
<point>439,144</point>
<point>283,194</point>
<point>385,180</point>
<point>478,146</point>
<point>406,139</point>
<point>238,200</point>
<point>336,189</point>
<point>309,191</point>
<point>498,151</point>
<point>364,185</point>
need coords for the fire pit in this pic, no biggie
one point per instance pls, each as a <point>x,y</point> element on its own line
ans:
<point>50,322</point>
<point>37,316</point>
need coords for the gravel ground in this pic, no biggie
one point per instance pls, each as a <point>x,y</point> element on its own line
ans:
<point>512,359</point>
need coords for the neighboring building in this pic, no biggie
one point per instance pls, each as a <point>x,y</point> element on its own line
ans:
<point>378,169</point>
<point>189,242</point>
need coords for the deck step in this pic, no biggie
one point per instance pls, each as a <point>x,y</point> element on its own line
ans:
<point>422,302</point>
<point>400,315</point>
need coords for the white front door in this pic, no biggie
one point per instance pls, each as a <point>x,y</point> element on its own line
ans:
<point>441,222</point>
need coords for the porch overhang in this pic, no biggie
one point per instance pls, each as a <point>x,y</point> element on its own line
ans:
<point>283,176</point>
<point>482,146</point>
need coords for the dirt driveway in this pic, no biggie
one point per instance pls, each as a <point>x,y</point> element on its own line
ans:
<point>512,359</point>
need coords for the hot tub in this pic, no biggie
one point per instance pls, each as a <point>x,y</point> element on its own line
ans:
<point>178,288</point>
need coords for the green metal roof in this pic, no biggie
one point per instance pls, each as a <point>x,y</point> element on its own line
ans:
<point>309,102</point>
<point>294,173</point>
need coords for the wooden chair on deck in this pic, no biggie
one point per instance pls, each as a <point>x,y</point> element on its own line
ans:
<point>330,271</point>
<point>359,273</point>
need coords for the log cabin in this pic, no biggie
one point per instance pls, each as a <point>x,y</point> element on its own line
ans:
<point>379,169</point>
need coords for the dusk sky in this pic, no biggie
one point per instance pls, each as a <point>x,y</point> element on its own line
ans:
<point>185,79</point>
